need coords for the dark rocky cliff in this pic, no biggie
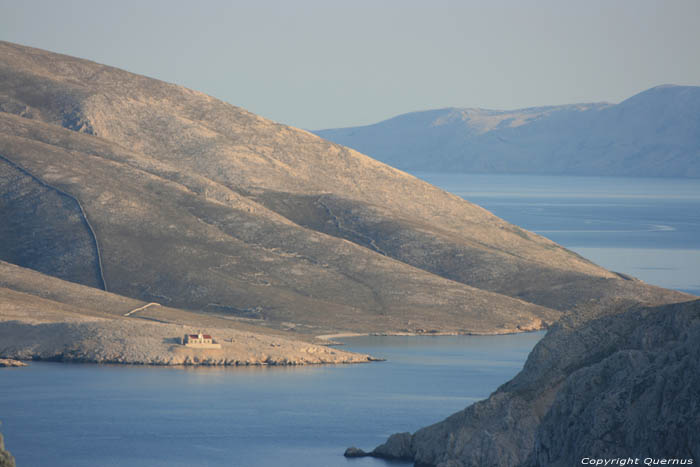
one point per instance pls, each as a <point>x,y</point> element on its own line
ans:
<point>623,385</point>
<point>641,399</point>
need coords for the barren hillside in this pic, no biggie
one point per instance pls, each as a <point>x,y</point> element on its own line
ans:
<point>156,192</point>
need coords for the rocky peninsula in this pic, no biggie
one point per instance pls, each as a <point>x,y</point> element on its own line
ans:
<point>145,343</point>
<point>617,386</point>
<point>46,318</point>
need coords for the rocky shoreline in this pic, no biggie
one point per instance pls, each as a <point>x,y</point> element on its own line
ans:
<point>623,385</point>
<point>6,459</point>
<point>10,363</point>
<point>433,332</point>
<point>138,342</point>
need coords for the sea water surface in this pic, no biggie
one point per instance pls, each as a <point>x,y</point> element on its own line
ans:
<point>645,227</point>
<point>98,415</point>
<point>77,415</point>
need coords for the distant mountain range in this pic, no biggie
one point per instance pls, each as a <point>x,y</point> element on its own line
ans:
<point>654,133</point>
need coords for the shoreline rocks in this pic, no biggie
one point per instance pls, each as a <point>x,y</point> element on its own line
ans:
<point>623,385</point>
<point>128,341</point>
<point>355,452</point>
<point>6,459</point>
<point>11,363</point>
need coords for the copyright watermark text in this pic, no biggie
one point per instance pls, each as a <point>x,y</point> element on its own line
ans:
<point>622,461</point>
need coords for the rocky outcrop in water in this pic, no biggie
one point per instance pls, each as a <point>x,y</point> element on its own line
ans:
<point>9,363</point>
<point>6,459</point>
<point>619,386</point>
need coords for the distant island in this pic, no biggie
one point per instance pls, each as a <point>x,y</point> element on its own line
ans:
<point>655,133</point>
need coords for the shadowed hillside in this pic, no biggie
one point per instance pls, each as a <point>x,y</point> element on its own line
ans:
<point>164,194</point>
<point>40,238</point>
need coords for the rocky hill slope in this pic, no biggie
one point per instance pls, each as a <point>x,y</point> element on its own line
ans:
<point>618,386</point>
<point>159,193</point>
<point>654,133</point>
<point>46,318</point>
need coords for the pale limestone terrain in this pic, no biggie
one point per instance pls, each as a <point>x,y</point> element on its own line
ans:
<point>171,196</point>
<point>134,342</point>
<point>237,224</point>
<point>51,319</point>
<point>9,363</point>
<point>119,190</point>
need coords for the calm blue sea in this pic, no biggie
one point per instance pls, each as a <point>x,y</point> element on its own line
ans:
<point>646,227</point>
<point>76,415</point>
<point>90,415</point>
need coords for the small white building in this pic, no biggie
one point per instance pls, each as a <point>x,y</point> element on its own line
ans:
<point>200,341</point>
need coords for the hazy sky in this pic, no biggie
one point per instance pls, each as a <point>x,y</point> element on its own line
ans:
<point>320,64</point>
